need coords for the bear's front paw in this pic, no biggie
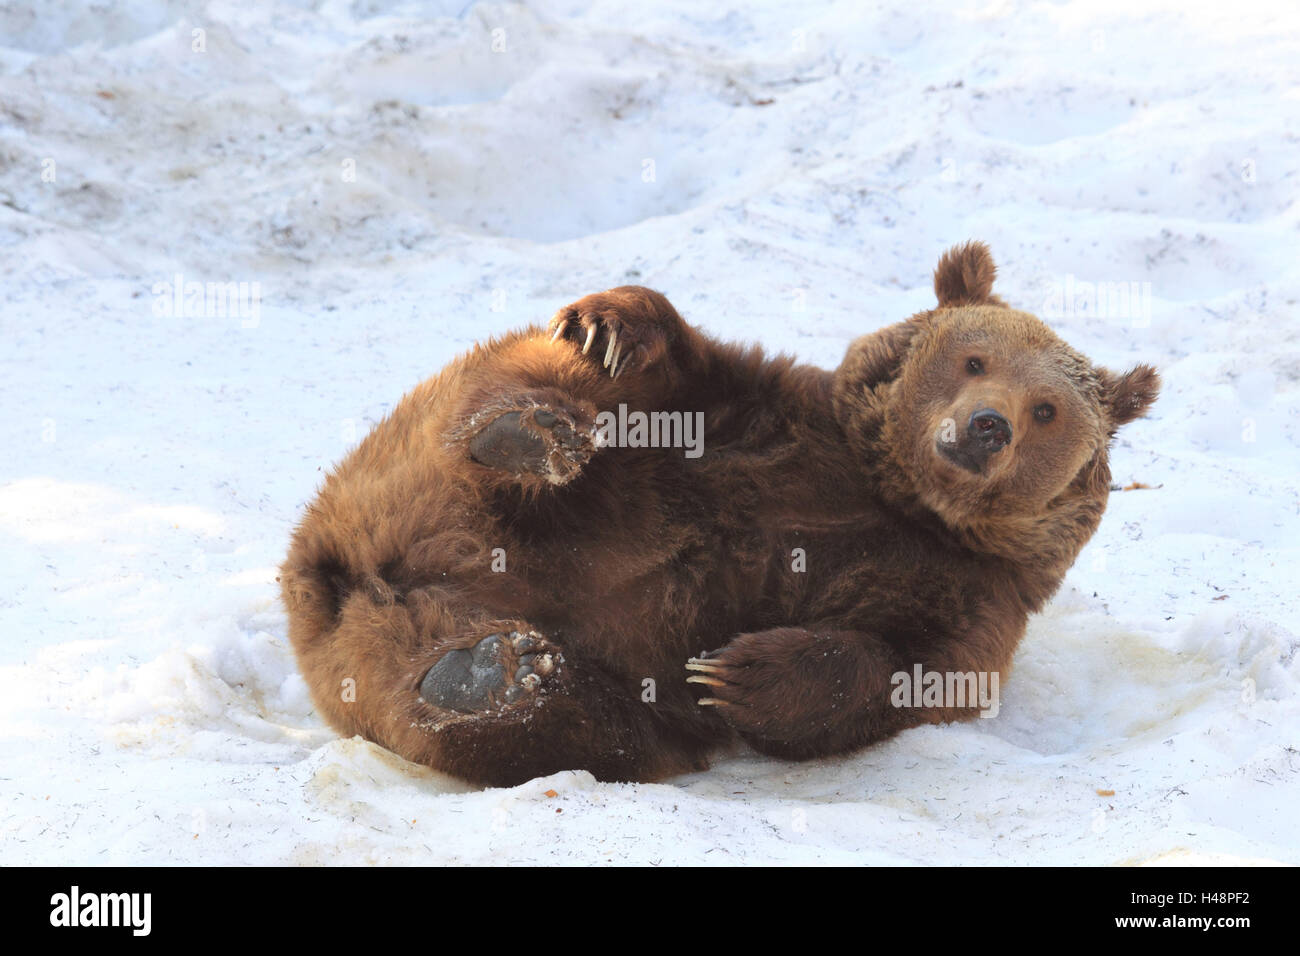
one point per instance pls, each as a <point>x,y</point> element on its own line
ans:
<point>750,684</point>
<point>786,689</point>
<point>626,328</point>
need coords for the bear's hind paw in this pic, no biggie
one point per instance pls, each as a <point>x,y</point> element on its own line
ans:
<point>501,669</point>
<point>547,442</point>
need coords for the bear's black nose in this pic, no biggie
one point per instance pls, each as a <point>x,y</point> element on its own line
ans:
<point>990,430</point>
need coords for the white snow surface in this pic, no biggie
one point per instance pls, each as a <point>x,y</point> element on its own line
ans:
<point>810,162</point>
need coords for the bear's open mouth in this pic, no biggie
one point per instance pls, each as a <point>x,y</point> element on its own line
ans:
<point>961,457</point>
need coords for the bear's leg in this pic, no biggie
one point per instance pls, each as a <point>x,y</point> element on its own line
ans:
<point>529,413</point>
<point>488,716</point>
<point>798,693</point>
<point>494,702</point>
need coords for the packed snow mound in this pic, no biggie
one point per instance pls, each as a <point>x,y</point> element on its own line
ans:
<point>380,184</point>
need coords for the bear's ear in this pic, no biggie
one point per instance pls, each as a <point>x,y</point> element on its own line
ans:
<point>965,276</point>
<point>1128,396</point>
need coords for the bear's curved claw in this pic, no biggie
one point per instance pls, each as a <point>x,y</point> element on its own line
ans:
<point>624,330</point>
<point>711,681</point>
<point>711,674</point>
<point>611,349</point>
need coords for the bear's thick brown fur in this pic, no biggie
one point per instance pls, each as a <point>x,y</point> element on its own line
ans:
<point>487,586</point>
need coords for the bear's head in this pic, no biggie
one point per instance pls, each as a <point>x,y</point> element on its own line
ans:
<point>980,414</point>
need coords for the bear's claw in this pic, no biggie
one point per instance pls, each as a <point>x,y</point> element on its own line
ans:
<point>475,679</point>
<point>632,324</point>
<point>707,667</point>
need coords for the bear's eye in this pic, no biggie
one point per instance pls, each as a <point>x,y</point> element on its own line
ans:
<point>974,366</point>
<point>1044,412</point>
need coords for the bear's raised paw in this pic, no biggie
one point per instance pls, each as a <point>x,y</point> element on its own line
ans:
<point>551,443</point>
<point>621,329</point>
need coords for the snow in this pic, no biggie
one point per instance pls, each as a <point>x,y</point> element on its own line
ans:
<point>401,180</point>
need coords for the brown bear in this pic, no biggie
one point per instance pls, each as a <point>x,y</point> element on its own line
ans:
<point>508,578</point>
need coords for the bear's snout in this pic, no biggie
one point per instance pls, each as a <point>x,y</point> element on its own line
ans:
<point>987,432</point>
<point>990,431</point>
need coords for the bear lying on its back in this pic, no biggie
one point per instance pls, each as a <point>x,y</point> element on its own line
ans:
<point>499,584</point>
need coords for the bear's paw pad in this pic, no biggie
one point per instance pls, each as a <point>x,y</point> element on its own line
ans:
<point>500,669</point>
<point>538,441</point>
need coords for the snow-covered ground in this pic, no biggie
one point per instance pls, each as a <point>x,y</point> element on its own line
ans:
<point>403,179</point>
